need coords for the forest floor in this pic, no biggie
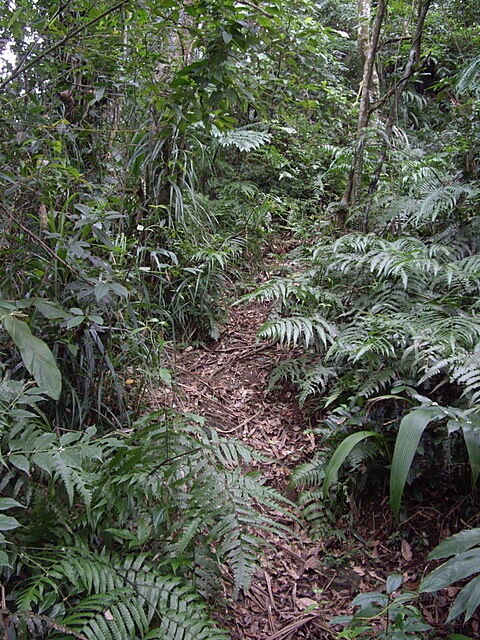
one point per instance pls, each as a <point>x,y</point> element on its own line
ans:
<point>301,582</point>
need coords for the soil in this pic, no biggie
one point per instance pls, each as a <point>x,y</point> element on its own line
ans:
<point>301,582</point>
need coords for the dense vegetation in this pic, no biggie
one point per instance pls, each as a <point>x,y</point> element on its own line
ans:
<point>149,151</point>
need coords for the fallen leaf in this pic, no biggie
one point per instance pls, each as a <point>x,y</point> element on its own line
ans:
<point>304,603</point>
<point>406,551</point>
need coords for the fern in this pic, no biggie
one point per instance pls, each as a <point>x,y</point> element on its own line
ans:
<point>444,201</point>
<point>309,474</point>
<point>166,498</point>
<point>244,139</point>
<point>296,290</point>
<point>469,78</point>
<point>297,330</point>
<point>466,372</point>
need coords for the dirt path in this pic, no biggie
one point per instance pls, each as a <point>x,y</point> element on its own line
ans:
<point>227,383</point>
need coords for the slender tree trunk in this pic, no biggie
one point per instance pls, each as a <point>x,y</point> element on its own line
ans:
<point>354,177</point>
<point>395,92</point>
<point>364,9</point>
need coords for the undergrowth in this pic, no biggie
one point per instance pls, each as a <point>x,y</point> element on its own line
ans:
<point>132,533</point>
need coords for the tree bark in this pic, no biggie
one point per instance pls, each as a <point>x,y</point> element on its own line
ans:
<point>350,193</point>
<point>396,92</point>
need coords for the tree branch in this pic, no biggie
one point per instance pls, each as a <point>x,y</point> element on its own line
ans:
<point>413,59</point>
<point>24,67</point>
<point>256,8</point>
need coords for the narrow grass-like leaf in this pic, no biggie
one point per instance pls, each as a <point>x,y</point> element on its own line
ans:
<point>341,454</point>
<point>471,435</point>
<point>411,429</point>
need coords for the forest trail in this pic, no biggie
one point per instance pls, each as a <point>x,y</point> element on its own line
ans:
<point>300,583</point>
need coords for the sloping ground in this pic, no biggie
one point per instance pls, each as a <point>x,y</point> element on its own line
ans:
<point>301,583</point>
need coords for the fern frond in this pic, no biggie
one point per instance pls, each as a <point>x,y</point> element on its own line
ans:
<point>463,273</point>
<point>239,550</point>
<point>107,616</point>
<point>444,200</point>
<point>371,339</point>
<point>309,474</point>
<point>315,331</point>
<point>243,139</point>
<point>466,372</point>
<point>287,291</point>
<point>315,381</point>
<point>469,78</point>
<point>376,382</point>
<point>73,478</point>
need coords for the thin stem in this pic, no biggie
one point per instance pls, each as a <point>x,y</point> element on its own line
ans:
<point>21,67</point>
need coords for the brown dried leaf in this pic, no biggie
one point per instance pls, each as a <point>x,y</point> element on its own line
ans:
<point>406,551</point>
<point>304,603</point>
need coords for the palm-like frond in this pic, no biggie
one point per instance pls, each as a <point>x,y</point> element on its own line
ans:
<point>122,598</point>
<point>444,200</point>
<point>244,138</point>
<point>314,331</point>
<point>164,490</point>
<point>408,312</point>
<point>469,78</point>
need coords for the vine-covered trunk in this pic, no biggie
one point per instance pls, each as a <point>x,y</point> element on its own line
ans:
<point>350,193</point>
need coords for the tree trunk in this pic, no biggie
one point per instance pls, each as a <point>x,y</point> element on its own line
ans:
<point>396,92</point>
<point>350,193</point>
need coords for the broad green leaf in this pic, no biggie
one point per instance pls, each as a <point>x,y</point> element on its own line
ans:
<point>119,289</point>
<point>7,523</point>
<point>458,543</point>
<point>69,438</point>
<point>341,454</point>
<point>20,462</point>
<point>374,597</point>
<point>4,561</point>
<point>51,311</point>
<point>467,600</point>
<point>403,598</point>
<point>36,356</point>
<point>121,533</point>
<point>101,290</point>
<point>393,583</point>
<point>45,461</point>
<point>76,321</point>
<point>411,429</point>
<point>472,442</point>
<point>9,503</point>
<point>457,568</point>
<point>165,376</point>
